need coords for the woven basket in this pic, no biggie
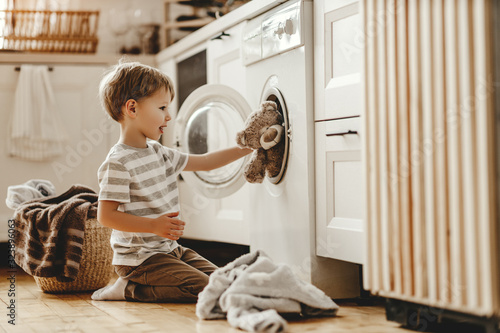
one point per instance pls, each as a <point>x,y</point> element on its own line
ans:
<point>95,267</point>
<point>49,31</point>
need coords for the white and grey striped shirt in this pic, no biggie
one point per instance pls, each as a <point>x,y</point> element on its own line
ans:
<point>144,182</point>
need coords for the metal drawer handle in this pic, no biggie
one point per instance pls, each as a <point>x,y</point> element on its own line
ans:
<point>219,36</point>
<point>342,133</point>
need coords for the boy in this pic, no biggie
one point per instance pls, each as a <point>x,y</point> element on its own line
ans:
<point>138,195</point>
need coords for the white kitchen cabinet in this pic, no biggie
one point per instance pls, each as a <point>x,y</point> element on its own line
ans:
<point>90,132</point>
<point>339,104</point>
<point>339,191</point>
<point>224,63</point>
<point>223,219</point>
<point>339,42</point>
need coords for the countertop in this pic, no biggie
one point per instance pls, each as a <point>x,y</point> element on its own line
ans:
<point>245,12</point>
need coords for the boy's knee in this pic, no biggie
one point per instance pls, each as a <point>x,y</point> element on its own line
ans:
<point>198,285</point>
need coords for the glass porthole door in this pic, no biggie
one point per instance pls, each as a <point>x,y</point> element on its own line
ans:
<point>207,121</point>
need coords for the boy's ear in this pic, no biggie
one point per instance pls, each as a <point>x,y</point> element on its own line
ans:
<point>130,106</point>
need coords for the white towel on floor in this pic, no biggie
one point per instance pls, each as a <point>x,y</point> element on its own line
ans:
<point>252,290</point>
<point>36,132</point>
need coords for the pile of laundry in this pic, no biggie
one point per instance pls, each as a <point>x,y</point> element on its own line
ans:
<point>50,228</point>
<point>252,292</point>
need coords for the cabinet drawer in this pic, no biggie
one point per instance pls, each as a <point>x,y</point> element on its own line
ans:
<point>344,97</point>
<point>339,135</point>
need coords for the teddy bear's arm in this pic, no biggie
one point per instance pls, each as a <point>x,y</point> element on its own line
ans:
<point>255,169</point>
<point>274,159</point>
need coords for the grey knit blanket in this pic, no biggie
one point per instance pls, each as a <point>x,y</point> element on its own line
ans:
<point>252,291</point>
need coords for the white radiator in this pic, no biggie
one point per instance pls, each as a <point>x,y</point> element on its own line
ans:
<point>432,229</point>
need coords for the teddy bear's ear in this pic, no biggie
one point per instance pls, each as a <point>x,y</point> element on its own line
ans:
<point>269,106</point>
<point>240,139</point>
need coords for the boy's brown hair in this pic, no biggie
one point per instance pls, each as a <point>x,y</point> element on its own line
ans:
<point>130,80</point>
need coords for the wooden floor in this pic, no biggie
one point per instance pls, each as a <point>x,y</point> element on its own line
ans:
<point>40,312</point>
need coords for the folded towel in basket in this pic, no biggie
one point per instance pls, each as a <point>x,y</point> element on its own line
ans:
<point>50,232</point>
<point>32,189</point>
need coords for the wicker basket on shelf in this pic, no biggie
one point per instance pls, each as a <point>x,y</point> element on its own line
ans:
<point>96,269</point>
<point>49,31</point>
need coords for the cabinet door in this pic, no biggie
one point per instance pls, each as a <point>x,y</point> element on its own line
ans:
<point>220,219</point>
<point>224,63</point>
<point>90,133</point>
<point>339,191</point>
<point>338,64</point>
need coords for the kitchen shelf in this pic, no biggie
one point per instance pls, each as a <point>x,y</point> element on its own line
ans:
<point>171,25</point>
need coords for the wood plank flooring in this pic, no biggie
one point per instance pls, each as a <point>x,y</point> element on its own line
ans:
<point>40,312</point>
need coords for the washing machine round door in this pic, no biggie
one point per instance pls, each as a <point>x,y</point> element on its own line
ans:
<point>207,121</point>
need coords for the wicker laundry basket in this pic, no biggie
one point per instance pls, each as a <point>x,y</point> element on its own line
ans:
<point>95,267</point>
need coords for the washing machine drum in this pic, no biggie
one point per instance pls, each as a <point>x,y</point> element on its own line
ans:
<point>207,121</point>
<point>273,94</point>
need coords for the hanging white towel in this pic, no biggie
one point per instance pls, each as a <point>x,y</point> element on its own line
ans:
<point>36,132</point>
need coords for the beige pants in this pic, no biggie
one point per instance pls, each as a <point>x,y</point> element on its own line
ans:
<point>177,276</point>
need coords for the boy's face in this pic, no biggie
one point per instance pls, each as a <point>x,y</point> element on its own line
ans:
<point>152,114</point>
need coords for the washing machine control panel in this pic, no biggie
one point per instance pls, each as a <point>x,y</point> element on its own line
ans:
<point>275,32</point>
<point>284,29</point>
<point>281,30</point>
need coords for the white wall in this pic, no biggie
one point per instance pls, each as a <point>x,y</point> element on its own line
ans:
<point>90,133</point>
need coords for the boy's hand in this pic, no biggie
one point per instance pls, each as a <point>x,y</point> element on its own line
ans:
<point>168,226</point>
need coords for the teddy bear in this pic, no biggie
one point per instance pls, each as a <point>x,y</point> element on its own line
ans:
<point>264,133</point>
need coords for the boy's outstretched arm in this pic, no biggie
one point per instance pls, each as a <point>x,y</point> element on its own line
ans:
<point>215,159</point>
<point>166,225</point>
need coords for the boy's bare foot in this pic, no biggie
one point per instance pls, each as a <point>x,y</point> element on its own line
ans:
<point>114,292</point>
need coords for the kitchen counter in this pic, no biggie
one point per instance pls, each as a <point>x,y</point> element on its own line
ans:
<point>245,12</point>
<point>63,58</point>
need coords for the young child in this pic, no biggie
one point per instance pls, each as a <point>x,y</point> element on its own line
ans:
<point>138,195</point>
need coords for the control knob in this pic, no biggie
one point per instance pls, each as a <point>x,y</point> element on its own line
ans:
<point>285,28</point>
<point>289,29</point>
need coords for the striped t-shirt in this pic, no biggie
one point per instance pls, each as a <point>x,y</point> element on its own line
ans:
<point>144,182</point>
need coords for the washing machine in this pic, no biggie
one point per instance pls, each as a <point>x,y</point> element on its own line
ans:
<point>277,52</point>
